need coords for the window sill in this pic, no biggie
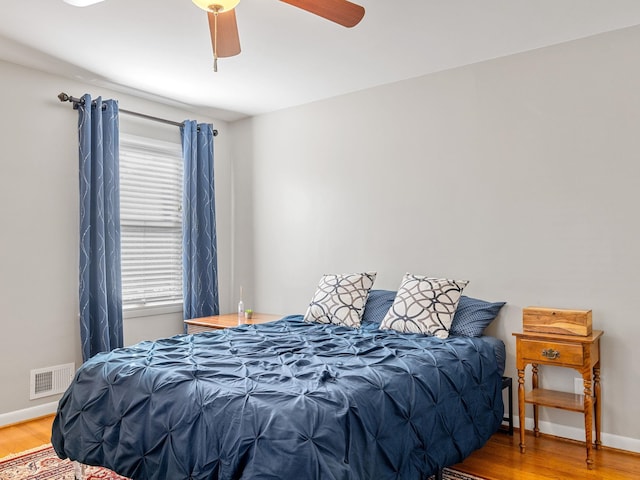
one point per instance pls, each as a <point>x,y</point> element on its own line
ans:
<point>150,311</point>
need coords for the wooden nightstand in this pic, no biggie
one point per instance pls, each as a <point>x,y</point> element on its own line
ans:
<point>581,353</point>
<point>218,322</point>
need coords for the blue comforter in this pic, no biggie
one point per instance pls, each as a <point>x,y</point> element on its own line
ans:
<point>286,400</point>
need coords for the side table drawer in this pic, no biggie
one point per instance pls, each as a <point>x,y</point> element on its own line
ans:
<point>549,352</point>
<point>198,329</point>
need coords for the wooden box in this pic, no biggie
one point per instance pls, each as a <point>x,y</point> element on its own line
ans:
<point>555,320</point>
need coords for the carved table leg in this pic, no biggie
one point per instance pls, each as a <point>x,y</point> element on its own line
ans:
<point>521,411</point>
<point>534,381</point>
<point>598,408</point>
<point>588,417</point>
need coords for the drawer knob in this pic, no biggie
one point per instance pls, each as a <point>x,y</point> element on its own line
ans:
<point>550,353</point>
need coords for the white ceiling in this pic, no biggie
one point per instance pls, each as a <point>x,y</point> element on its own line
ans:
<point>289,57</point>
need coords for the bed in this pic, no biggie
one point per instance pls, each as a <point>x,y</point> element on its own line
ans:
<point>284,400</point>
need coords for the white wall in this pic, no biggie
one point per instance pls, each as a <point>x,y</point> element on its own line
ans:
<point>39,227</point>
<point>519,174</point>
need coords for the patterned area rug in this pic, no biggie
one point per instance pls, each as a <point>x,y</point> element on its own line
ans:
<point>42,463</point>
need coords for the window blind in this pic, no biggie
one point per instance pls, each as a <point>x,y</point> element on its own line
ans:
<point>151,222</point>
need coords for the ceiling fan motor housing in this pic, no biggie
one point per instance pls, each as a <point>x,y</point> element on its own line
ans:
<point>217,5</point>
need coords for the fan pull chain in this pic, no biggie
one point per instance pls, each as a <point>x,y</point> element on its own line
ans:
<point>215,41</point>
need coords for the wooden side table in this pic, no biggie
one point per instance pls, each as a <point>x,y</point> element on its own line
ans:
<point>581,353</point>
<point>218,322</point>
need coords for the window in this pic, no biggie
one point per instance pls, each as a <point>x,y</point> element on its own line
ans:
<point>151,223</point>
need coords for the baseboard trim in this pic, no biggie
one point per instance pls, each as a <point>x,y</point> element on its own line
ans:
<point>19,416</point>
<point>608,440</point>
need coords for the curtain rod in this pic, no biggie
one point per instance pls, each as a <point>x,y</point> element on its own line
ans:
<point>63,97</point>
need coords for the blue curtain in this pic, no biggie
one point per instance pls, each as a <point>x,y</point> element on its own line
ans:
<point>100,279</point>
<point>199,252</point>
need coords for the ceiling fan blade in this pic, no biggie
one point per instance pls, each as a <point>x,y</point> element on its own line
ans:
<point>342,12</point>
<point>228,42</point>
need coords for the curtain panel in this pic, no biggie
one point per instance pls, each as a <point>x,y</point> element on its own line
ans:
<point>99,278</point>
<point>199,253</point>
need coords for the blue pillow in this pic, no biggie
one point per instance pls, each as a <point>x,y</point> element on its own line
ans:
<point>378,304</point>
<point>473,316</point>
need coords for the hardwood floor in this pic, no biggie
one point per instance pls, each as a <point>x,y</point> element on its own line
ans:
<point>24,436</point>
<point>547,457</point>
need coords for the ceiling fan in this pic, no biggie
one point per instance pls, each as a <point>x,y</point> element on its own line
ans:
<point>225,39</point>
<point>223,26</point>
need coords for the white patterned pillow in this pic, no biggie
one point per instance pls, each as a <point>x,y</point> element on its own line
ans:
<point>340,299</point>
<point>424,305</point>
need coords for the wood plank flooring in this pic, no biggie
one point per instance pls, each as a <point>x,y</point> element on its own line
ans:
<point>547,457</point>
<point>24,436</point>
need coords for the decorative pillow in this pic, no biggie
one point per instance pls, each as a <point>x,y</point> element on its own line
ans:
<point>473,316</point>
<point>424,305</point>
<point>340,299</point>
<point>377,306</point>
